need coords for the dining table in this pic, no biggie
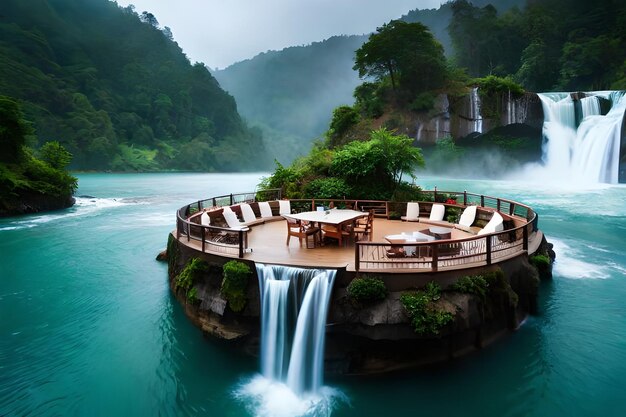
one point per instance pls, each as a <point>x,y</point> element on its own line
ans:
<point>337,218</point>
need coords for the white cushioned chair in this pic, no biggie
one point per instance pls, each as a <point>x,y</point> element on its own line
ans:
<point>284,207</point>
<point>412,212</point>
<point>496,224</point>
<point>249,218</point>
<point>232,220</point>
<point>437,212</point>
<point>467,219</point>
<point>266,210</point>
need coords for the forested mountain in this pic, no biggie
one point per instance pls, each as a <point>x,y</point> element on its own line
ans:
<point>437,20</point>
<point>116,90</point>
<point>291,93</point>
<point>549,45</point>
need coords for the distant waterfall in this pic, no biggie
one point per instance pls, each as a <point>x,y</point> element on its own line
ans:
<point>294,306</point>
<point>475,110</point>
<point>584,149</point>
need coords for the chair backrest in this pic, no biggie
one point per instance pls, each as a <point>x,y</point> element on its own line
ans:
<point>412,210</point>
<point>247,212</point>
<point>437,212</point>
<point>284,207</point>
<point>266,210</point>
<point>468,216</point>
<point>496,224</point>
<point>231,218</point>
<point>205,220</point>
<point>293,225</point>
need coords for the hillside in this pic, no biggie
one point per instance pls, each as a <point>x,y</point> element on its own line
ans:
<point>290,94</point>
<point>117,91</point>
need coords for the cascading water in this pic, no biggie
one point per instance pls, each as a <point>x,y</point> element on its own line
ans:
<point>294,306</point>
<point>475,111</point>
<point>586,149</point>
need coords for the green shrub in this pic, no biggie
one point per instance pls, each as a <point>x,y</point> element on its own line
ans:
<point>234,284</point>
<point>539,261</point>
<point>367,289</point>
<point>423,102</point>
<point>426,317</point>
<point>472,284</point>
<point>192,296</point>
<point>344,117</point>
<point>190,273</point>
<point>453,214</point>
<point>543,265</point>
<point>499,287</point>
<point>327,188</point>
<point>492,84</point>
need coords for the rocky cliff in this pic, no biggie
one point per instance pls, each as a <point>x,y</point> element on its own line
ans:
<point>367,338</point>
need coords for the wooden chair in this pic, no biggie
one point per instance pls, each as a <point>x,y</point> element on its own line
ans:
<point>337,232</point>
<point>364,227</point>
<point>297,229</point>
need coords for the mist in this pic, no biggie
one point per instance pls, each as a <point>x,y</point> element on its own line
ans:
<point>473,164</point>
<point>291,94</point>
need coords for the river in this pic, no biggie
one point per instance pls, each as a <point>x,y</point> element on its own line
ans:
<point>88,325</point>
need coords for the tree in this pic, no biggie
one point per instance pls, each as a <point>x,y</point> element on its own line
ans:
<point>407,53</point>
<point>344,117</point>
<point>55,155</point>
<point>382,160</point>
<point>149,18</point>
<point>13,130</point>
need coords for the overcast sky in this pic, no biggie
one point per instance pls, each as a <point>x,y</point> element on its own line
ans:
<point>222,32</point>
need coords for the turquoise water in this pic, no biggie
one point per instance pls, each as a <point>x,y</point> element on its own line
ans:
<point>88,326</point>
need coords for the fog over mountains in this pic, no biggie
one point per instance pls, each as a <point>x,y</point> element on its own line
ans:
<point>290,94</point>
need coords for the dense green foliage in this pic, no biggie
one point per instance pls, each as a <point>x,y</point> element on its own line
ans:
<point>116,91</point>
<point>367,289</point>
<point>550,44</point>
<point>234,284</point>
<point>421,306</point>
<point>438,20</point>
<point>26,182</point>
<point>371,169</point>
<point>472,284</point>
<point>344,117</point>
<point>499,288</point>
<point>405,53</point>
<point>543,265</point>
<point>190,274</point>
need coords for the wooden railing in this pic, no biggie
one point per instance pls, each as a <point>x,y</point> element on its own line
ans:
<point>215,238</point>
<point>378,256</point>
<point>443,254</point>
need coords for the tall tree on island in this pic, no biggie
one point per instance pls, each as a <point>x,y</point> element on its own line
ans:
<point>407,53</point>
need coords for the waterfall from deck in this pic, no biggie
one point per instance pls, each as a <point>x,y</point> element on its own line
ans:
<point>294,307</point>
<point>583,145</point>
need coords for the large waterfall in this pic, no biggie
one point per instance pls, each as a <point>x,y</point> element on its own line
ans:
<point>294,307</point>
<point>583,145</point>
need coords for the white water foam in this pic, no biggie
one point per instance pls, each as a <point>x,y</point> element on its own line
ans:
<point>571,263</point>
<point>82,207</point>
<point>264,397</point>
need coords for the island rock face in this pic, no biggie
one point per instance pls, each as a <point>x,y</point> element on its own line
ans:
<point>28,203</point>
<point>376,337</point>
<point>459,117</point>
